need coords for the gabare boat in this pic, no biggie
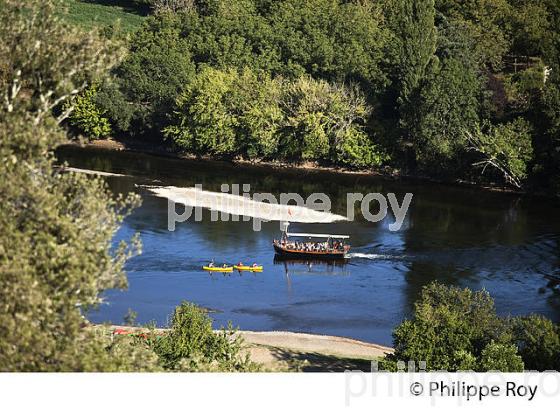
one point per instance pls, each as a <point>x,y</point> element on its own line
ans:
<point>311,245</point>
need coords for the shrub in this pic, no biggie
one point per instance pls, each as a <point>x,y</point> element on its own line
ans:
<point>192,345</point>
<point>450,329</point>
<point>500,357</point>
<point>87,117</point>
<point>538,340</point>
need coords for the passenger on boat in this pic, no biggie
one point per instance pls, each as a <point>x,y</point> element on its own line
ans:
<point>211,264</point>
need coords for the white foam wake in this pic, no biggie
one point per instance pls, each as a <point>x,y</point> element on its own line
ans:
<point>243,206</point>
<point>372,256</point>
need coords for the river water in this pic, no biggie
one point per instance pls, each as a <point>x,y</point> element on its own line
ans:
<point>506,244</point>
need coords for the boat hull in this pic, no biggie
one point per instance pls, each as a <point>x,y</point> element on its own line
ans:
<point>217,269</point>
<point>249,268</point>
<point>298,254</point>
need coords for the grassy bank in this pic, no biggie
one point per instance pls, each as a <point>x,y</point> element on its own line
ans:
<point>88,14</point>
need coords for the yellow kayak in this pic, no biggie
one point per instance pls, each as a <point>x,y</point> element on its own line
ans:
<point>218,268</point>
<point>257,268</point>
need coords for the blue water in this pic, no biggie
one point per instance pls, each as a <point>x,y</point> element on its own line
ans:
<point>506,244</point>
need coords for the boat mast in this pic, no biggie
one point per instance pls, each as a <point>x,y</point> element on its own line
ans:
<point>285,231</point>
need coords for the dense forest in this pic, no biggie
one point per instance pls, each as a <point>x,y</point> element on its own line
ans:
<point>450,89</point>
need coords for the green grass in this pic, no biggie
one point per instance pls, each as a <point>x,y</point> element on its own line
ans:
<point>98,13</point>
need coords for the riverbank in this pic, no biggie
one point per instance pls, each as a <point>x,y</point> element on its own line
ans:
<point>302,352</point>
<point>295,168</point>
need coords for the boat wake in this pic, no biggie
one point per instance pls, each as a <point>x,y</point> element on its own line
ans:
<point>242,205</point>
<point>373,256</point>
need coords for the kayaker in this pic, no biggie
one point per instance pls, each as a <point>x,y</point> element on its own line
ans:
<point>211,264</point>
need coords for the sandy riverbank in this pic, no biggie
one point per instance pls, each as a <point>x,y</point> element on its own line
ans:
<point>290,351</point>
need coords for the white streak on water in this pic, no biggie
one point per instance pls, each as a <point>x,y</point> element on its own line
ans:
<point>91,172</point>
<point>243,206</point>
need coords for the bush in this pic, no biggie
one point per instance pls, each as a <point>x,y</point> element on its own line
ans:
<point>505,148</point>
<point>500,357</point>
<point>538,340</point>
<point>87,117</point>
<point>192,345</point>
<point>451,329</point>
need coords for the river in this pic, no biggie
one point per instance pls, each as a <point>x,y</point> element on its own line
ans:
<point>504,243</point>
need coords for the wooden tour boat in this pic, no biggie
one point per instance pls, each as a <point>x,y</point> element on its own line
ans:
<point>308,245</point>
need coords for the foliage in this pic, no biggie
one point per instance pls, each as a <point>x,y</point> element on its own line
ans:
<point>446,110</point>
<point>229,113</point>
<point>500,357</point>
<point>419,65</point>
<point>505,148</point>
<point>413,44</point>
<point>454,329</point>
<point>538,340</point>
<point>55,228</point>
<point>156,70</point>
<point>87,117</point>
<point>487,22</point>
<point>192,345</point>
<point>325,121</point>
<point>250,114</point>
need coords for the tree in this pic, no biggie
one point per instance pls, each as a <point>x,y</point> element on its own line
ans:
<point>86,116</point>
<point>505,148</point>
<point>192,345</point>
<point>500,357</point>
<point>451,329</point>
<point>56,228</point>
<point>447,109</point>
<point>325,121</point>
<point>212,110</point>
<point>246,113</point>
<point>487,22</point>
<point>538,341</point>
<point>413,43</point>
<point>154,73</point>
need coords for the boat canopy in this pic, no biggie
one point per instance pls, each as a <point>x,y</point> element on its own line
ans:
<point>317,235</point>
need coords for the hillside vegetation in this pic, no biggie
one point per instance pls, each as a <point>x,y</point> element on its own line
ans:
<point>445,88</point>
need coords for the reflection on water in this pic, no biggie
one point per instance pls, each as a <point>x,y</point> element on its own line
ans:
<point>506,244</point>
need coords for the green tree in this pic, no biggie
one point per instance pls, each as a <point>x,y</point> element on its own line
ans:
<point>326,122</point>
<point>192,345</point>
<point>488,24</point>
<point>413,44</point>
<point>86,116</point>
<point>450,329</point>
<point>505,148</point>
<point>538,340</point>
<point>56,228</point>
<point>154,73</point>
<point>500,357</point>
<point>447,109</point>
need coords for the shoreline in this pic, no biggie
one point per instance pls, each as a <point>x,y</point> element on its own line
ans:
<point>294,351</point>
<point>293,168</point>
